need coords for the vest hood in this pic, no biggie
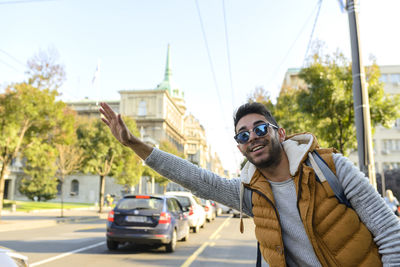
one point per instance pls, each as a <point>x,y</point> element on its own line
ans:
<point>296,148</point>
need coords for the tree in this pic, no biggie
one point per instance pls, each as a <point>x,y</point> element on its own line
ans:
<point>131,167</point>
<point>39,182</point>
<point>102,152</point>
<point>44,72</point>
<point>27,116</point>
<point>327,101</point>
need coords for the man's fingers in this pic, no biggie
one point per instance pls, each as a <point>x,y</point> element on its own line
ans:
<point>106,121</point>
<point>107,111</point>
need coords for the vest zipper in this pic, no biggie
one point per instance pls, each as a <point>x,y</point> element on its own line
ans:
<point>277,216</point>
<point>299,191</point>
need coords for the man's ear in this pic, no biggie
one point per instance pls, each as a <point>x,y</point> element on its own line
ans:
<point>282,135</point>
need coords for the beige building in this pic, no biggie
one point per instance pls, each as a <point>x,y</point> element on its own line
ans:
<point>386,141</point>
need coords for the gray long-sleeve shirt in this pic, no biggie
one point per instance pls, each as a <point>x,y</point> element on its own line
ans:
<point>369,205</point>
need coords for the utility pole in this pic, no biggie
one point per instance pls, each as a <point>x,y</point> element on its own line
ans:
<point>361,102</point>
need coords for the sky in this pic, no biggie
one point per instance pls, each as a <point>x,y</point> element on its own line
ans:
<point>221,50</point>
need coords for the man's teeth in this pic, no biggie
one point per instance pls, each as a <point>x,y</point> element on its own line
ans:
<point>256,148</point>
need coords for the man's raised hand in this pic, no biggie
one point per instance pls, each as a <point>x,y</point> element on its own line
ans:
<point>116,124</point>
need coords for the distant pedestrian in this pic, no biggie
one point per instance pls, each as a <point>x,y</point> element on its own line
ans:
<point>392,201</point>
<point>298,219</point>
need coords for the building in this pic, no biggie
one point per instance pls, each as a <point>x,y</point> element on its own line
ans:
<point>386,141</point>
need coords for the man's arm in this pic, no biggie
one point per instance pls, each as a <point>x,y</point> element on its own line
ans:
<point>371,208</point>
<point>200,182</point>
<point>122,133</point>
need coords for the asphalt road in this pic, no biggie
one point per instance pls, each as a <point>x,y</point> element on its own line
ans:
<point>83,244</point>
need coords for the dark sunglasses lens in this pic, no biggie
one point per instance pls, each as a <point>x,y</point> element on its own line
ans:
<point>261,130</point>
<point>243,137</point>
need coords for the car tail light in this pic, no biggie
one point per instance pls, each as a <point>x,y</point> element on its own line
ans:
<point>165,218</point>
<point>190,211</point>
<point>110,216</point>
<point>206,208</point>
<point>142,196</point>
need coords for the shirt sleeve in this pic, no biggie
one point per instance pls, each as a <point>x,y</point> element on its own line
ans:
<point>200,182</point>
<point>371,208</point>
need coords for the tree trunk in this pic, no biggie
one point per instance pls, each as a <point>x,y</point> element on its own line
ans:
<point>101,193</point>
<point>62,197</point>
<point>2,182</point>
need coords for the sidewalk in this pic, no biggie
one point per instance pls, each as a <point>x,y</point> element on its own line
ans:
<point>10,221</point>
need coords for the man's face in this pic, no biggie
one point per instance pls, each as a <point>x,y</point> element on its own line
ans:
<point>263,151</point>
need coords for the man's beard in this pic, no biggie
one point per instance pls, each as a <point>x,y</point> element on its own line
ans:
<point>274,155</point>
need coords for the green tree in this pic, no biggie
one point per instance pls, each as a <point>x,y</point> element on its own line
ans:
<point>102,152</point>
<point>130,168</point>
<point>28,117</point>
<point>39,182</point>
<point>327,101</point>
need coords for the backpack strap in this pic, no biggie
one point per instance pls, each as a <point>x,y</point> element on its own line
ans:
<point>324,173</point>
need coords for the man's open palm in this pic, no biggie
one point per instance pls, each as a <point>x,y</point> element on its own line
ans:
<point>116,124</point>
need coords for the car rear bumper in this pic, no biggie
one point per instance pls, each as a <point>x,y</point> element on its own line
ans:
<point>140,236</point>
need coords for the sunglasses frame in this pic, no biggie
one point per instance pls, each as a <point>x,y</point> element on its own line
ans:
<point>252,130</point>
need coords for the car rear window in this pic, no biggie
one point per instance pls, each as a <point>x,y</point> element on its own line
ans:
<point>140,203</point>
<point>185,201</point>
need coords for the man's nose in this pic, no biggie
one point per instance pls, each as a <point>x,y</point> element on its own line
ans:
<point>253,136</point>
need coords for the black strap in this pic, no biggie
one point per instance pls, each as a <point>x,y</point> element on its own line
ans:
<point>258,264</point>
<point>330,178</point>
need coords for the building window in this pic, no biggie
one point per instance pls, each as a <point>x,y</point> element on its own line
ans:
<point>192,147</point>
<point>391,165</point>
<point>384,78</point>
<point>395,78</point>
<point>391,145</point>
<point>142,109</point>
<point>74,188</point>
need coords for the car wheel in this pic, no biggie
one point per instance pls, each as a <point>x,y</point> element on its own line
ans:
<point>186,237</point>
<point>111,244</point>
<point>196,229</point>
<point>170,247</point>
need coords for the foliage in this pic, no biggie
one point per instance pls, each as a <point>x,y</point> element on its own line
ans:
<point>131,168</point>
<point>39,174</point>
<point>323,103</point>
<point>327,101</point>
<point>31,120</point>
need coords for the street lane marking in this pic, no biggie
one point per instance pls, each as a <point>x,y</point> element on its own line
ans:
<point>205,244</point>
<point>66,254</point>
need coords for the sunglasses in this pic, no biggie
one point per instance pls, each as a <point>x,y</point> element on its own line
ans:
<point>259,130</point>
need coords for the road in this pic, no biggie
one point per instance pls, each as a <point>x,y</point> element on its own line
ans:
<point>220,243</point>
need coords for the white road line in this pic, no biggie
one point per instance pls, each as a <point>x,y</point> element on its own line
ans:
<point>66,254</point>
<point>205,244</point>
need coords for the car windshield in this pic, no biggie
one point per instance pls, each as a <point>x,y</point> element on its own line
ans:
<point>140,203</point>
<point>185,201</point>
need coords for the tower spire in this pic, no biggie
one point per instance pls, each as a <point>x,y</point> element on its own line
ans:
<point>165,84</point>
<point>167,67</point>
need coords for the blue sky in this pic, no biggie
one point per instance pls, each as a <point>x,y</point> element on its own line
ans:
<point>130,39</point>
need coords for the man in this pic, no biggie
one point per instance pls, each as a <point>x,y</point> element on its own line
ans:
<point>299,221</point>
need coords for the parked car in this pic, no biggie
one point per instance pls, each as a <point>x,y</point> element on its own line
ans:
<point>196,213</point>
<point>209,209</point>
<point>10,258</point>
<point>147,219</point>
<point>217,208</point>
<point>225,209</point>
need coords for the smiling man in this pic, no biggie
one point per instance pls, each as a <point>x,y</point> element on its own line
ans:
<point>299,220</point>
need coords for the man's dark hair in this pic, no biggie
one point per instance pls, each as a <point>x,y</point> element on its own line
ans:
<point>253,107</point>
